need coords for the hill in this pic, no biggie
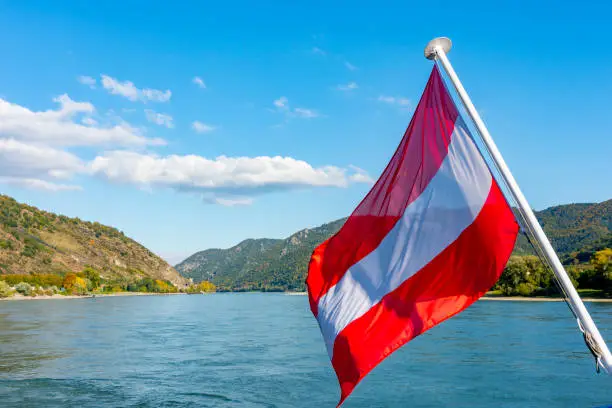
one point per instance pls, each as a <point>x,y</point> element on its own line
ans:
<point>259,264</point>
<point>36,241</point>
<point>268,264</point>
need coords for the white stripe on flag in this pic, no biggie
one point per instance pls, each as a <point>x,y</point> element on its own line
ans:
<point>448,205</point>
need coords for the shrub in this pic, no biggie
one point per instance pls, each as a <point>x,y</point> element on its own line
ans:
<point>524,275</point>
<point>40,279</point>
<point>93,276</point>
<point>203,286</point>
<point>74,284</point>
<point>31,247</point>
<point>6,244</point>
<point>5,290</point>
<point>24,288</point>
<point>525,289</point>
<point>113,288</point>
<point>39,291</point>
<point>151,285</point>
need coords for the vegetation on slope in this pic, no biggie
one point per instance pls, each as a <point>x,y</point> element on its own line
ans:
<point>576,231</point>
<point>42,246</point>
<point>85,282</point>
<point>259,264</point>
<point>527,276</point>
<point>571,227</point>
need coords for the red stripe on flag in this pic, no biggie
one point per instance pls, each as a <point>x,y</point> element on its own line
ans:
<point>415,162</point>
<point>451,282</point>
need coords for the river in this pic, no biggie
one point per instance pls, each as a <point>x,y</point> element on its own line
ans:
<point>265,350</point>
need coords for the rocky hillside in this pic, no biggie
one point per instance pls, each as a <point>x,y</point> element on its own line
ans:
<point>268,264</point>
<point>36,241</point>
<point>259,264</point>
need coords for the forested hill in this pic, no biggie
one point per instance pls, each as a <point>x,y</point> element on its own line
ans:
<point>571,227</point>
<point>36,241</point>
<point>259,264</point>
<point>281,264</point>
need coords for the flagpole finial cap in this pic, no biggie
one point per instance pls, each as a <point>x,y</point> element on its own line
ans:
<point>440,42</point>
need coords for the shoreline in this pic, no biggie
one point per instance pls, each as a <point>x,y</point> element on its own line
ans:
<point>541,299</point>
<point>96,295</point>
<point>507,298</point>
<point>18,297</point>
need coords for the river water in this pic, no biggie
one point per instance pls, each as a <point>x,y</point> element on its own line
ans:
<point>265,350</point>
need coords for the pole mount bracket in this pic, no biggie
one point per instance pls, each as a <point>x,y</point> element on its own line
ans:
<point>441,42</point>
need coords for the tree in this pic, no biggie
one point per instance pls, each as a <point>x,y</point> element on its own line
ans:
<point>206,286</point>
<point>93,276</point>
<point>24,288</point>
<point>602,261</point>
<point>5,290</point>
<point>602,265</point>
<point>524,276</point>
<point>74,284</point>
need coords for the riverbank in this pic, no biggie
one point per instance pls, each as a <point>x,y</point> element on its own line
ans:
<point>494,298</point>
<point>506,298</point>
<point>50,297</point>
<point>541,299</point>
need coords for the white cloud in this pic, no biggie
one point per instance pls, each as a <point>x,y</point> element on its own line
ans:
<point>59,127</point>
<point>223,180</point>
<point>89,121</point>
<point>318,51</point>
<point>128,90</point>
<point>386,99</point>
<point>87,80</point>
<point>348,87</point>
<point>394,100</point>
<point>281,102</point>
<point>33,166</point>
<point>25,160</point>
<point>282,105</point>
<point>37,184</point>
<point>360,175</point>
<point>305,113</point>
<point>226,202</point>
<point>361,178</point>
<point>68,107</point>
<point>199,82</point>
<point>350,66</point>
<point>202,127</point>
<point>29,141</point>
<point>160,119</point>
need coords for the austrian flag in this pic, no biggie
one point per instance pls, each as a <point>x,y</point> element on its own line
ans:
<point>430,238</point>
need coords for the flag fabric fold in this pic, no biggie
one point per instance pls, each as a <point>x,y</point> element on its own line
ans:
<point>429,239</point>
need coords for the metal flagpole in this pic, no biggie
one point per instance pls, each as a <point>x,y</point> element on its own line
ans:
<point>437,49</point>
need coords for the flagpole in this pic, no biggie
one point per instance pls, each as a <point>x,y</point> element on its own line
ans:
<point>437,49</point>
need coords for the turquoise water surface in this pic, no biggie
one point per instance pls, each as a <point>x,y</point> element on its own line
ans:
<point>265,350</point>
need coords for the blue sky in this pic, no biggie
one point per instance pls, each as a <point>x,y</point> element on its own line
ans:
<point>297,107</point>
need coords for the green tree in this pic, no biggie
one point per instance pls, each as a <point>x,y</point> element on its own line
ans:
<point>525,276</point>
<point>24,288</point>
<point>6,244</point>
<point>602,261</point>
<point>602,266</point>
<point>5,290</point>
<point>93,276</point>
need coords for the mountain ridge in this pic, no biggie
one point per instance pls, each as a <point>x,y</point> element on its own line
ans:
<point>281,264</point>
<point>38,241</point>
